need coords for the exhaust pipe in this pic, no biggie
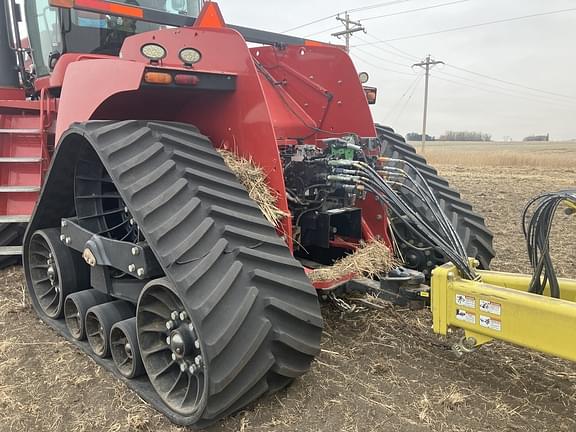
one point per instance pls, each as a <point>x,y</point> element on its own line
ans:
<point>8,63</point>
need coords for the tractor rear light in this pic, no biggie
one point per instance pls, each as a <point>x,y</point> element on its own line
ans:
<point>371,94</point>
<point>182,79</point>
<point>153,52</point>
<point>190,56</point>
<point>158,78</point>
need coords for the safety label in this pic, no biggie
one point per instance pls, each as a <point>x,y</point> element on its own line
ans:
<point>490,323</point>
<point>466,316</point>
<point>490,307</point>
<point>466,301</point>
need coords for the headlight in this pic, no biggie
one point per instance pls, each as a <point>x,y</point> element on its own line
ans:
<point>190,56</point>
<point>153,52</point>
<point>364,77</point>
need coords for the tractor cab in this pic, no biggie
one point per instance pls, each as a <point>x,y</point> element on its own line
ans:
<point>73,28</point>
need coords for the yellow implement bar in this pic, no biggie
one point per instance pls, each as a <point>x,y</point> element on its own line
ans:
<point>500,308</point>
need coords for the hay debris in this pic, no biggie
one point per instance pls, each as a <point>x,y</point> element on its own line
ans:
<point>253,178</point>
<point>370,260</point>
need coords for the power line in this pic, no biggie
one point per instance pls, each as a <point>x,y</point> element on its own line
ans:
<point>379,67</point>
<point>393,14</point>
<point>414,10</point>
<point>316,21</point>
<point>404,54</point>
<point>398,52</point>
<point>475,25</point>
<point>506,89</point>
<point>382,58</point>
<point>410,87</point>
<point>363,8</point>
<point>403,108</point>
<point>512,83</point>
<point>557,103</point>
<point>378,5</point>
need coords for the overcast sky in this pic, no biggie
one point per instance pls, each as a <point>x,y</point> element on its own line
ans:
<point>538,52</point>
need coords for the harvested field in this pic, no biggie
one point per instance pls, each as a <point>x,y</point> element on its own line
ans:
<point>380,369</point>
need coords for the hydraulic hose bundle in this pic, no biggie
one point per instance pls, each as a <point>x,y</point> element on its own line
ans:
<point>427,221</point>
<point>537,230</point>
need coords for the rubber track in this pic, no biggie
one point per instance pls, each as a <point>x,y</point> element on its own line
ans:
<point>11,234</point>
<point>256,312</point>
<point>471,227</point>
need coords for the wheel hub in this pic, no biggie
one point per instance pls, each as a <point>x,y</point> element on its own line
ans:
<point>183,344</point>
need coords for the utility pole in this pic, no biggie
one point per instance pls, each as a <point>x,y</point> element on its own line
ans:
<point>427,64</point>
<point>351,28</point>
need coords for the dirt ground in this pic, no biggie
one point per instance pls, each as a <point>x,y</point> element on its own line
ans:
<point>380,370</point>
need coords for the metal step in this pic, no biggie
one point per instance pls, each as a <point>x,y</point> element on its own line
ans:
<point>15,219</point>
<point>16,189</point>
<point>21,131</point>
<point>10,250</point>
<point>20,159</point>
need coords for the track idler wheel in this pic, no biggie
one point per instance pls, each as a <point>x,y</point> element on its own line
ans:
<point>52,271</point>
<point>124,349</point>
<point>75,307</point>
<point>99,322</point>
<point>171,349</point>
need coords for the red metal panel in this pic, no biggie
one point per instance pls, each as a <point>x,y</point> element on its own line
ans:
<point>305,71</point>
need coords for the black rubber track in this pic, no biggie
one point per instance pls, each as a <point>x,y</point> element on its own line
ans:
<point>256,312</point>
<point>11,234</point>
<point>471,227</point>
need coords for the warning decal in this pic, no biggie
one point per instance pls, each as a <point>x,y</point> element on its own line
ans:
<point>466,301</point>
<point>490,307</point>
<point>490,323</point>
<point>466,316</point>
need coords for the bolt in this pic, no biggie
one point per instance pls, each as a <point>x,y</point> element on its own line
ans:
<point>174,315</point>
<point>183,367</point>
<point>197,344</point>
<point>135,251</point>
<point>168,340</point>
<point>173,357</point>
<point>170,325</point>
<point>132,268</point>
<point>68,240</point>
<point>64,224</point>
<point>125,209</point>
<point>183,316</point>
<point>140,272</point>
<point>198,361</point>
<point>379,217</point>
<point>131,221</point>
<point>193,369</point>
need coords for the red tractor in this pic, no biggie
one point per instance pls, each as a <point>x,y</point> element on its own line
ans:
<point>145,250</point>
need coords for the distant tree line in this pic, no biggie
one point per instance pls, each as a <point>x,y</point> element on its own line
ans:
<point>452,136</point>
<point>538,138</point>
<point>465,136</point>
<point>414,136</point>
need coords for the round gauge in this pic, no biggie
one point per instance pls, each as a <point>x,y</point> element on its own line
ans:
<point>153,52</point>
<point>364,77</point>
<point>190,56</point>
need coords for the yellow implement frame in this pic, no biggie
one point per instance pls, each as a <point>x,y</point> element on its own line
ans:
<point>499,307</point>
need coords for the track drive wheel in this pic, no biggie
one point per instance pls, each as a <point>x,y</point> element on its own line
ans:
<point>52,271</point>
<point>99,322</point>
<point>171,348</point>
<point>470,225</point>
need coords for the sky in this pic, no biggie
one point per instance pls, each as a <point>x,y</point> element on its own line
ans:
<point>537,52</point>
